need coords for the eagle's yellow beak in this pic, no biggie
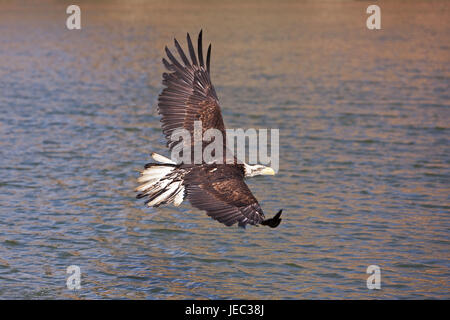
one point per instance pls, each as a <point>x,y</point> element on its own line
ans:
<point>268,171</point>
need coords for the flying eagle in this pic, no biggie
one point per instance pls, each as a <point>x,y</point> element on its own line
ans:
<point>218,189</point>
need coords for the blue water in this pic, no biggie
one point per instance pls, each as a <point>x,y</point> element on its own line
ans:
<point>364,151</point>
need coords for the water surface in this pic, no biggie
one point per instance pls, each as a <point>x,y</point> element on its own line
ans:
<point>364,150</point>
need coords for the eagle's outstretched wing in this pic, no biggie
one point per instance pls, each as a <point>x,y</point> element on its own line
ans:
<point>227,201</point>
<point>223,194</point>
<point>189,94</point>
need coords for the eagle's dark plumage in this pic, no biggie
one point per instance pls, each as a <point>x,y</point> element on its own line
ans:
<point>223,194</point>
<point>189,94</point>
<point>218,189</point>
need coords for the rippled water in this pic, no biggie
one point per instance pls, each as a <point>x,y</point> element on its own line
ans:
<point>364,145</point>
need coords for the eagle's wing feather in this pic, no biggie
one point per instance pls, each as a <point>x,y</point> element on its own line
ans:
<point>228,200</point>
<point>189,94</point>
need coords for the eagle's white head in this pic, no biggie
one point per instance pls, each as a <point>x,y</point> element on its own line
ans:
<point>256,170</point>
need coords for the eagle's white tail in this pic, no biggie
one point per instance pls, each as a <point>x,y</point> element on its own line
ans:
<point>161,182</point>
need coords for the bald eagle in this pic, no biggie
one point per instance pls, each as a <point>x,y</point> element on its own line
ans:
<point>218,189</point>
